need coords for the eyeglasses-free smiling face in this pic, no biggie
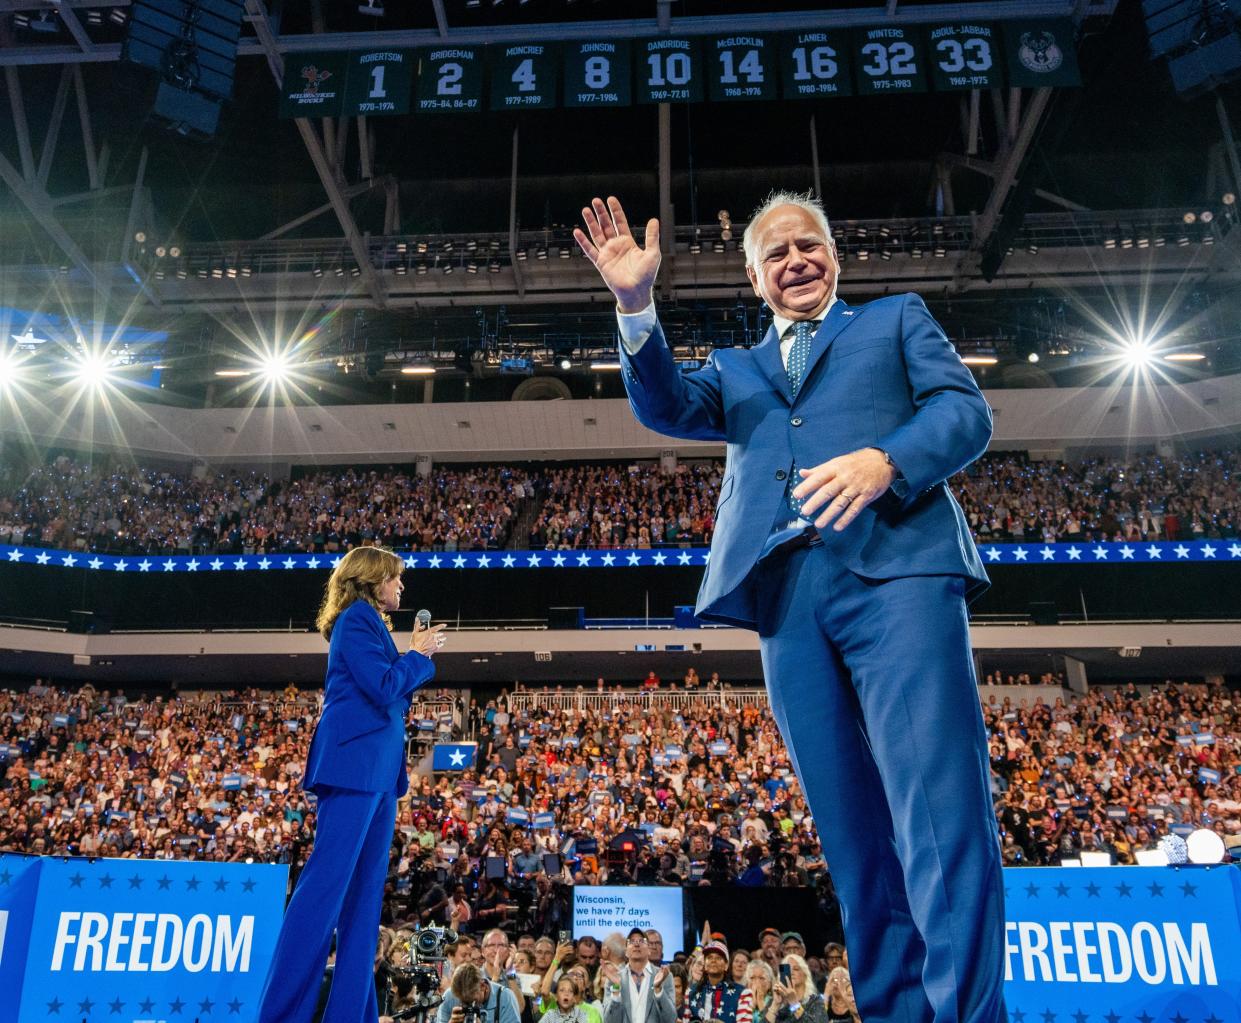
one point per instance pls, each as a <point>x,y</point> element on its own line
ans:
<point>795,267</point>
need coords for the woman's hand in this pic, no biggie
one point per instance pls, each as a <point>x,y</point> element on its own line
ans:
<point>429,640</point>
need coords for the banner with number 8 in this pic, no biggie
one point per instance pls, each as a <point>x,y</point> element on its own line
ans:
<point>597,74</point>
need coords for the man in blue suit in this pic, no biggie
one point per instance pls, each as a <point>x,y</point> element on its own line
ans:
<point>837,540</point>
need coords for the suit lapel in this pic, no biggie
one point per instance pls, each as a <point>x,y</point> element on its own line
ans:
<point>767,353</point>
<point>836,320</point>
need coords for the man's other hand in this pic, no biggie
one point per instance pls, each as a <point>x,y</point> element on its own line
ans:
<point>843,486</point>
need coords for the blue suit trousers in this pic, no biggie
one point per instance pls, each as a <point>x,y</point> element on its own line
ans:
<point>872,685</point>
<point>341,890</point>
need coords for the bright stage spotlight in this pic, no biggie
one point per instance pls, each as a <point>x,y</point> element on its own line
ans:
<point>10,370</point>
<point>1137,353</point>
<point>275,368</point>
<point>93,370</point>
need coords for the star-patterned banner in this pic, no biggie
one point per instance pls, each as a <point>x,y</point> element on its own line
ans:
<point>112,939</point>
<point>1122,945</point>
<point>1160,552</point>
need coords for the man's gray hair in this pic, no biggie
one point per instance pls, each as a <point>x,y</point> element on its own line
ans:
<point>807,200</point>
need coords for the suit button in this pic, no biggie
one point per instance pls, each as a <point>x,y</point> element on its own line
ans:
<point>795,421</point>
<point>781,474</point>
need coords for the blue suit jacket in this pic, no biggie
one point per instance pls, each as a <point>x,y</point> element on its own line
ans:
<point>879,375</point>
<point>359,742</point>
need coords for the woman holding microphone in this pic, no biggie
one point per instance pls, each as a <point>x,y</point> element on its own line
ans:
<point>356,768</point>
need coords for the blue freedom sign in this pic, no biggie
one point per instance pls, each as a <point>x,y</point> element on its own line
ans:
<point>1110,943</point>
<point>143,940</point>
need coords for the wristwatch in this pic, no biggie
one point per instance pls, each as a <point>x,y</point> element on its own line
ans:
<point>900,485</point>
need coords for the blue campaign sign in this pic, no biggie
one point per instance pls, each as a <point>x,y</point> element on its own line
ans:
<point>19,883</point>
<point>1113,943</point>
<point>453,756</point>
<point>141,939</point>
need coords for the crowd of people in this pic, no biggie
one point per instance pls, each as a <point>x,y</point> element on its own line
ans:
<point>123,508</point>
<point>110,505</point>
<point>1007,496</point>
<point>773,978</point>
<point>633,789</point>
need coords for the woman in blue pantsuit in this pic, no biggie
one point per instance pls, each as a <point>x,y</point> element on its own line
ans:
<point>356,768</point>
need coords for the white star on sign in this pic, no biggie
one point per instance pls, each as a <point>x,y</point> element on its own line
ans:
<point>15,555</point>
<point>583,560</point>
<point>993,554</point>
<point>660,558</point>
<point>144,565</point>
<point>1154,553</point>
<point>68,561</point>
<point>43,558</point>
<point>191,565</point>
<point>608,560</point>
<point>169,565</point>
<point>1048,553</point>
<point>706,557</point>
<point>94,562</point>
<point>121,565</point>
<point>411,561</point>
<point>216,565</point>
<point>508,560</point>
<point>1074,554</point>
<point>484,561</point>
<point>458,562</point>
<point>633,558</point>
<point>558,561</point>
<point>336,561</point>
<point>264,564</point>
<point>683,558</point>
<point>314,563</point>
<point>1126,553</point>
<point>1208,551</point>
<point>1020,553</point>
<point>1100,553</point>
<point>288,562</point>
<point>239,563</point>
<point>435,561</point>
<point>456,758</point>
<point>1234,551</point>
<point>533,561</point>
<point>1181,550</point>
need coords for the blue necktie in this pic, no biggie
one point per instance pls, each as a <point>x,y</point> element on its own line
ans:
<point>799,355</point>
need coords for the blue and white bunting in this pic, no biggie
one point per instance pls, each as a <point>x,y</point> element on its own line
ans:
<point>1081,553</point>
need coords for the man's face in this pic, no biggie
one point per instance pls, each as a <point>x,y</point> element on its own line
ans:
<point>588,951</point>
<point>636,949</point>
<point>795,267</point>
<point>655,945</point>
<point>495,948</point>
<point>543,953</point>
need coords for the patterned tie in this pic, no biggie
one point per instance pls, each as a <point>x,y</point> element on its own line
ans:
<point>799,355</point>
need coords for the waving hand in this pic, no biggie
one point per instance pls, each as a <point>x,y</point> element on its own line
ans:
<point>627,269</point>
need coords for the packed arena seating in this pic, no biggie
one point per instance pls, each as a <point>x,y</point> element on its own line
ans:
<point>107,505</point>
<point>215,777</point>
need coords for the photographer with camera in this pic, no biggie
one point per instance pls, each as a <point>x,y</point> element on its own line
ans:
<point>472,998</point>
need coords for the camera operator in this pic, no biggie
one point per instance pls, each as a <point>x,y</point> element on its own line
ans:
<point>472,998</point>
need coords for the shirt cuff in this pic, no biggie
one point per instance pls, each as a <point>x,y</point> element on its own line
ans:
<point>635,328</point>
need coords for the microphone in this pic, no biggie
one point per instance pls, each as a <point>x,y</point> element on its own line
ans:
<point>423,618</point>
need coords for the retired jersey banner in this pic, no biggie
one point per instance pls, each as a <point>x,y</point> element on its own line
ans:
<point>136,939</point>
<point>1111,944</point>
